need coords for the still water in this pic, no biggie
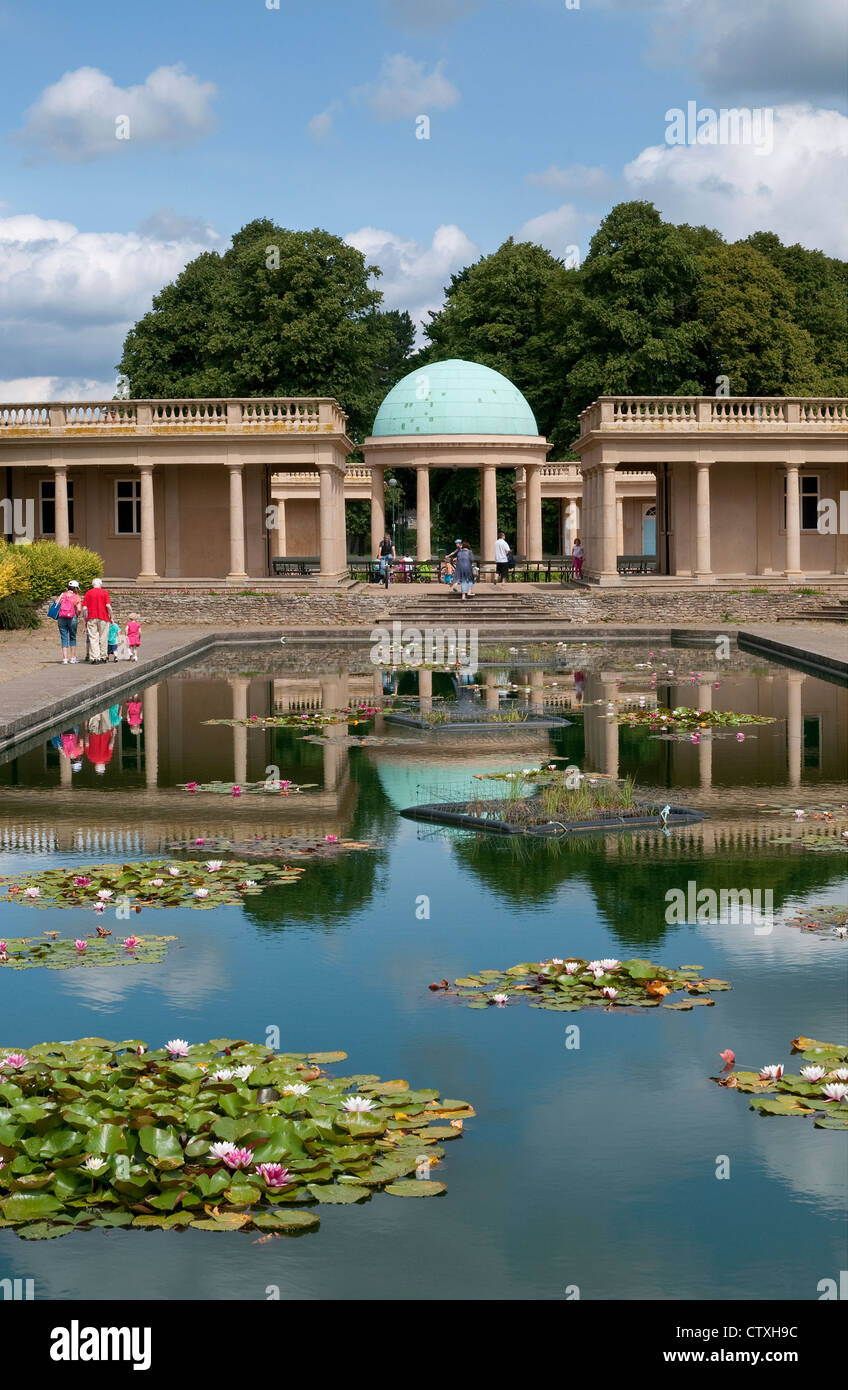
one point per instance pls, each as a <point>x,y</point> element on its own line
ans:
<point>591,1166</point>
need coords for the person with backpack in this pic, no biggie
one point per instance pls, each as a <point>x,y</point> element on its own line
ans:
<point>68,606</point>
<point>465,570</point>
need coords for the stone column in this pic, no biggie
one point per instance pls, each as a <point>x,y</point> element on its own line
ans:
<point>332,523</point>
<point>565,518</point>
<point>520,514</point>
<point>794,725</point>
<point>237,570</point>
<point>61,526</point>
<point>533,476</point>
<point>703,570</point>
<point>148,526</point>
<point>239,686</point>
<point>66,775</point>
<point>608,568</point>
<point>422,512</point>
<point>378,507</point>
<point>488,514</point>
<point>793,523</point>
<point>619,526</point>
<point>279,540</point>
<point>150,724</point>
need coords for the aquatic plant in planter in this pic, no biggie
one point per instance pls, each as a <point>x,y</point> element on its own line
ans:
<point>351,714</point>
<point>223,1135</point>
<point>681,718</point>
<point>63,953</point>
<point>817,1090</point>
<point>146,883</point>
<point>571,984</point>
<point>270,786</point>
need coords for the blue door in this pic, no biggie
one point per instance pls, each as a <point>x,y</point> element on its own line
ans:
<point>649,535</point>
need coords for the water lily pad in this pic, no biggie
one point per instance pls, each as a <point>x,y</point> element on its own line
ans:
<point>145,883</point>
<point>609,984</point>
<point>416,1187</point>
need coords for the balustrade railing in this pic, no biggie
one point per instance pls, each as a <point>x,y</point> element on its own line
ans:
<point>272,414</point>
<point>783,413</point>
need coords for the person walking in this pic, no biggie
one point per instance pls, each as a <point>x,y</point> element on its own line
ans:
<point>70,604</point>
<point>134,636</point>
<point>577,557</point>
<point>451,559</point>
<point>386,556</point>
<point>465,570</point>
<point>503,550</point>
<point>97,611</point>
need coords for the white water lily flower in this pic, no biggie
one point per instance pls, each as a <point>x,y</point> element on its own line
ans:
<point>609,963</point>
<point>572,967</point>
<point>157,882</point>
<point>178,1047</point>
<point>500,999</point>
<point>840,1075</point>
<point>174,871</point>
<point>773,1073</point>
<point>813,1073</point>
<point>242,1072</point>
<point>834,1090</point>
<point>201,892</point>
<point>32,893</point>
<point>213,864</point>
<point>357,1105</point>
<point>92,1163</point>
<point>297,1088</point>
<point>220,1150</point>
<point>225,1074</point>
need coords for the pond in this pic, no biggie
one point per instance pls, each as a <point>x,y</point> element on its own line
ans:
<point>605,1160</point>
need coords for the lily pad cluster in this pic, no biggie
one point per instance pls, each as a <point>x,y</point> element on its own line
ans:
<point>816,844</point>
<point>351,714</point>
<point>817,1090</point>
<point>220,1136</point>
<point>828,920</point>
<point>574,983</point>
<point>268,787</point>
<point>269,846</point>
<point>146,883</point>
<point>63,953</point>
<point>685,719</point>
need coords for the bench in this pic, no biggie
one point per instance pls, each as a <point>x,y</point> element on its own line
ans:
<point>636,564</point>
<point>295,566</point>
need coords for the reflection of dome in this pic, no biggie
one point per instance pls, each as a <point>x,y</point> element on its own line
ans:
<point>454,397</point>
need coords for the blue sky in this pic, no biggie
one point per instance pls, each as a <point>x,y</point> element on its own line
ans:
<point>541,117</point>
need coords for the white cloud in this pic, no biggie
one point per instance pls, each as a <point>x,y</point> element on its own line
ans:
<point>25,389</point>
<point>415,274</point>
<point>406,89</point>
<point>75,119</point>
<point>321,125</point>
<point>595,182</point>
<point>791,191</point>
<point>67,298</point>
<point>560,229</point>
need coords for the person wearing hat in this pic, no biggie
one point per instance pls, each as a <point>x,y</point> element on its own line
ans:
<point>70,604</point>
<point>451,560</point>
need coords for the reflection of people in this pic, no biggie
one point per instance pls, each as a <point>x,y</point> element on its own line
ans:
<point>70,746</point>
<point>100,740</point>
<point>579,681</point>
<point>390,682</point>
<point>134,714</point>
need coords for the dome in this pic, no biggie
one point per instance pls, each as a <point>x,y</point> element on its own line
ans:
<point>454,397</point>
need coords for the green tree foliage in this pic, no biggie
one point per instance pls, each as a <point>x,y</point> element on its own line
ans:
<point>821,304</point>
<point>281,313</point>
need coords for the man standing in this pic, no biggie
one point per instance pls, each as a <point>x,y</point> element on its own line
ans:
<point>97,611</point>
<point>503,551</point>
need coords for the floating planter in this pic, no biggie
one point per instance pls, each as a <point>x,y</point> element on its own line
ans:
<point>351,714</point>
<point>572,984</point>
<point>146,883</point>
<point>819,1088</point>
<point>62,953</point>
<point>266,846</point>
<point>269,787</point>
<point>220,1136</point>
<point>463,719</point>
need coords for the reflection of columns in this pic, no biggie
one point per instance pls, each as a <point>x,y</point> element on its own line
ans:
<point>619,526</point>
<point>608,570</point>
<point>705,747</point>
<point>425,690</point>
<point>150,706</point>
<point>793,522</point>
<point>61,526</point>
<point>422,512</point>
<point>794,724</point>
<point>703,571</point>
<point>332,521</point>
<point>533,502</point>
<point>520,514</point>
<point>537,691</point>
<point>66,775</point>
<point>609,690</point>
<point>239,686</point>
<point>237,569</point>
<point>378,507</point>
<point>488,513</point>
<point>148,524</point>
<point>490,683</point>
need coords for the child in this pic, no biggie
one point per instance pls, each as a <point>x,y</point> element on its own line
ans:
<point>134,636</point>
<point>112,642</point>
<point>577,556</point>
<point>123,652</point>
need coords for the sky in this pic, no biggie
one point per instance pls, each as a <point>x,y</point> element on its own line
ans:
<point>425,132</point>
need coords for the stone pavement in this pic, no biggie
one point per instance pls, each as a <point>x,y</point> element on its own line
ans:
<point>823,646</point>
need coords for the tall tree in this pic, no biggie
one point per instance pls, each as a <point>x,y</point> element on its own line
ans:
<point>280,313</point>
<point>820,283</point>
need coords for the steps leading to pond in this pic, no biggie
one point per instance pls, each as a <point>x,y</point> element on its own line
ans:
<point>511,610</point>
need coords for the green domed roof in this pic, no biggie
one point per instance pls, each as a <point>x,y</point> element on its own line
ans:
<point>454,397</point>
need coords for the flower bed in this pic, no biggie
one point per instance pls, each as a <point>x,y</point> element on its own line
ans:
<point>220,1136</point>
<point>146,883</point>
<point>62,953</point>
<point>572,984</point>
<point>819,1089</point>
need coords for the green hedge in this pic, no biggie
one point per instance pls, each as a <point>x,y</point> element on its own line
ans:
<point>16,612</point>
<point>52,565</point>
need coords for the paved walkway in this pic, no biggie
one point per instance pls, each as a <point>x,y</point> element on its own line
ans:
<point>822,647</point>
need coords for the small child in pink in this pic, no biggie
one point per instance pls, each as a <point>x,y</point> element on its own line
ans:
<point>133,636</point>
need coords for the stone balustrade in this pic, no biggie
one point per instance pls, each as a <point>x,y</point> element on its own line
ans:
<point>267,415</point>
<point>773,413</point>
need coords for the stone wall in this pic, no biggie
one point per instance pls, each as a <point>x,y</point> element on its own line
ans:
<point>683,606</point>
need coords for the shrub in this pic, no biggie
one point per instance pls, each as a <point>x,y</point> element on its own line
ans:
<point>17,611</point>
<point>52,565</point>
<point>15,575</point>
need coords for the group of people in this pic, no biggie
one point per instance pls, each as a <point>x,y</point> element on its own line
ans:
<point>106,640</point>
<point>96,739</point>
<point>458,566</point>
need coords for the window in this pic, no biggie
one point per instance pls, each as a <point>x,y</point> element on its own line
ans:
<point>809,484</point>
<point>47,501</point>
<point>128,507</point>
<point>812,742</point>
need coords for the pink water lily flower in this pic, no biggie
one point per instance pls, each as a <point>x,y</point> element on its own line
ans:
<point>131,942</point>
<point>728,1057</point>
<point>772,1073</point>
<point>609,992</point>
<point>572,967</point>
<point>80,944</point>
<point>238,1158</point>
<point>214,864</point>
<point>4,946</point>
<point>15,1060</point>
<point>275,1174</point>
<point>201,841</point>
<point>157,882</point>
<point>331,839</point>
<point>201,892</point>
<point>499,1000</point>
<point>191,786</point>
<point>177,1047</point>
<point>835,1090</point>
<point>740,738</point>
<point>81,881</point>
<point>32,892</point>
<point>236,791</point>
<point>104,894</point>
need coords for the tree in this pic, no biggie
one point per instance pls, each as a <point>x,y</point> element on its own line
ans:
<point>821,304</point>
<point>281,313</point>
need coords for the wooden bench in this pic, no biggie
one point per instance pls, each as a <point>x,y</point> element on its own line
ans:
<point>636,564</point>
<point>295,566</point>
